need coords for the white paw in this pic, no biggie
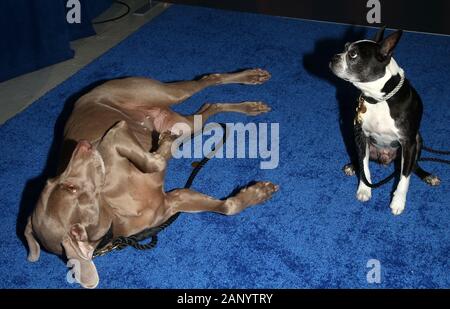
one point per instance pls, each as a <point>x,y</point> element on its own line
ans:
<point>397,205</point>
<point>349,169</point>
<point>364,193</point>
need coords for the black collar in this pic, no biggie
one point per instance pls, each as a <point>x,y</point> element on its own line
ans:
<point>369,100</point>
<point>392,86</point>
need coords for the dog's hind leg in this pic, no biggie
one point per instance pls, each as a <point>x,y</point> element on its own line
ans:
<point>139,92</point>
<point>180,91</point>
<point>428,178</point>
<point>185,200</point>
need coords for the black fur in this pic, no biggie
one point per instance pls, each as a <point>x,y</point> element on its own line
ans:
<point>366,61</point>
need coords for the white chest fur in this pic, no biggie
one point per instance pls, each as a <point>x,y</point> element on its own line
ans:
<point>378,124</point>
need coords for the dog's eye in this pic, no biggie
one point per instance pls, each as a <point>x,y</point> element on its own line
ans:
<point>352,54</point>
<point>69,187</point>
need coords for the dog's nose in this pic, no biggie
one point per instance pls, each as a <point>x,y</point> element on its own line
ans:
<point>335,58</point>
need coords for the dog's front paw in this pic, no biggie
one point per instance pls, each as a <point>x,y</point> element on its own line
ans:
<point>364,193</point>
<point>397,205</point>
<point>167,137</point>
<point>158,161</point>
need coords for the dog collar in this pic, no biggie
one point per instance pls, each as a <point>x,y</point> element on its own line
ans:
<point>388,96</point>
<point>103,246</point>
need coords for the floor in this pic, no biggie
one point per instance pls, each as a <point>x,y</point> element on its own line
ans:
<point>18,93</point>
<point>313,233</point>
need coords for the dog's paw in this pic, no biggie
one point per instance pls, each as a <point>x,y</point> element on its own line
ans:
<point>397,205</point>
<point>364,193</point>
<point>158,161</point>
<point>432,180</point>
<point>349,169</point>
<point>259,192</point>
<point>255,108</point>
<point>254,76</point>
<point>252,195</point>
<point>167,137</point>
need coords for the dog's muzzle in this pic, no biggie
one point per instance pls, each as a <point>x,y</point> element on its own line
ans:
<point>336,63</point>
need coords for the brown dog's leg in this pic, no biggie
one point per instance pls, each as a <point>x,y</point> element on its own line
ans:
<point>180,91</point>
<point>206,111</point>
<point>209,109</point>
<point>138,92</point>
<point>247,108</point>
<point>185,200</point>
<point>119,138</point>
<point>33,245</point>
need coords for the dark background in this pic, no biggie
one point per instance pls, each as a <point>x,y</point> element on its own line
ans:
<point>414,15</point>
<point>35,33</point>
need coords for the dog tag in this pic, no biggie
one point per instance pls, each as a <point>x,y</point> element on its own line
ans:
<point>361,109</point>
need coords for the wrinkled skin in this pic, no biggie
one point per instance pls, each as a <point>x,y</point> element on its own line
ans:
<point>111,179</point>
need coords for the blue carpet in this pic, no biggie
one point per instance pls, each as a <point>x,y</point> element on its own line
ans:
<point>313,233</point>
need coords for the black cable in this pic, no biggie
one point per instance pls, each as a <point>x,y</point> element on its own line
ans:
<point>435,160</point>
<point>441,152</point>
<point>387,179</point>
<point>115,18</point>
<point>374,185</point>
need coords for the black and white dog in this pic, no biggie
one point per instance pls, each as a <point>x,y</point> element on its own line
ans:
<point>389,113</point>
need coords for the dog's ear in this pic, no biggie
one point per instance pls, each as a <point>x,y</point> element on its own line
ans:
<point>379,35</point>
<point>77,247</point>
<point>388,44</point>
<point>33,245</point>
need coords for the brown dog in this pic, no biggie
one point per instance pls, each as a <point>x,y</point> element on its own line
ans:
<point>111,179</point>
